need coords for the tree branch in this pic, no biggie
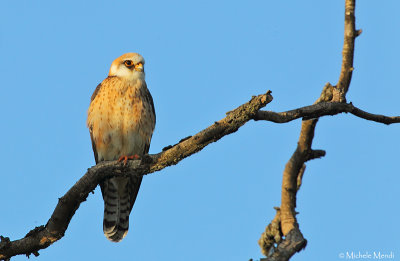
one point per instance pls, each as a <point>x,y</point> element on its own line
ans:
<point>294,240</point>
<point>43,236</point>
<point>322,109</point>
<point>350,34</point>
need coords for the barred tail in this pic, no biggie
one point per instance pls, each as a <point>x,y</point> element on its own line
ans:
<point>117,207</point>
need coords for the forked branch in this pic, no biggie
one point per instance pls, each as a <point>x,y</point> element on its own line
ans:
<point>295,167</point>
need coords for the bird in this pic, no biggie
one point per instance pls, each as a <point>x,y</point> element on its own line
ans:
<point>121,120</point>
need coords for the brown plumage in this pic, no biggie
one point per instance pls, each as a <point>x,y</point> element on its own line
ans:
<point>121,120</point>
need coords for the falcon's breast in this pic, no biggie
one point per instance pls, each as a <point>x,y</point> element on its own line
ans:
<point>121,118</point>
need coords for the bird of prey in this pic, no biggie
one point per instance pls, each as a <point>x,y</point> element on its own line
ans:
<point>121,120</point>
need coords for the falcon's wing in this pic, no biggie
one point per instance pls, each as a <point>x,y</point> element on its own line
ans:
<point>90,127</point>
<point>96,91</point>
<point>149,99</point>
<point>136,181</point>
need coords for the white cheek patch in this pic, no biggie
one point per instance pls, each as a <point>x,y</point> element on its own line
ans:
<point>113,69</point>
<point>128,74</point>
<point>123,72</point>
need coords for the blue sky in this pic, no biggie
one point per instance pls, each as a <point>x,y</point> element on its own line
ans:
<point>202,60</point>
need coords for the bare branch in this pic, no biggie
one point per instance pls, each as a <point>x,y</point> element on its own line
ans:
<point>43,236</point>
<point>292,169</point>
<point>374,117</point>
<point>350,34</point>
<point>323,109</point>
<point>294,240</point>
<point>303,150</point>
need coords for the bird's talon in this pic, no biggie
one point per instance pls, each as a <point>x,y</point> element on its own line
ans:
<point>125,158</point>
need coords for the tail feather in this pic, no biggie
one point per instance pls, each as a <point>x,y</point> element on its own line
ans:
<point>118,202</point>
<point>111,206</point>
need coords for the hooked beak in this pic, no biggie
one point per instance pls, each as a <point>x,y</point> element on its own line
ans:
<point>139,67</point>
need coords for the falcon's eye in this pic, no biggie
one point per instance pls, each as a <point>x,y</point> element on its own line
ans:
<point>128,63</point>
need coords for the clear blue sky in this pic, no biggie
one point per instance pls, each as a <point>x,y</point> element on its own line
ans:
<point>202,60</point>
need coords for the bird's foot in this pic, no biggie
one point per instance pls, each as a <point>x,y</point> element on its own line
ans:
<point>125,158</point>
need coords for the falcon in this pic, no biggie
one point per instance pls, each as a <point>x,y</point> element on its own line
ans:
<point>121,120</point>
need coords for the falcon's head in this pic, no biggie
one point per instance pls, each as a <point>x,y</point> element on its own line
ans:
<point>129,66</point>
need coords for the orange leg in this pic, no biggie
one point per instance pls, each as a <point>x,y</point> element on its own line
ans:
<point>125,158</point>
